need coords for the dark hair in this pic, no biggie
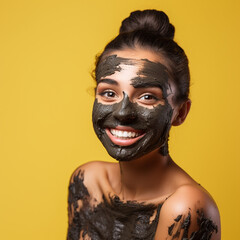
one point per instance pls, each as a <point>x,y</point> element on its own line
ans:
<point>150,29</point>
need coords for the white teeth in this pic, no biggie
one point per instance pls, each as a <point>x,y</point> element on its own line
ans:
<point>124,134</point>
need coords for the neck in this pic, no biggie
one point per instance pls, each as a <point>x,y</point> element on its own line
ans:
<point>141,176</point>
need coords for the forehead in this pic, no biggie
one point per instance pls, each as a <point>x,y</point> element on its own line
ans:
<point>142,67</point>
<point>126,73</point>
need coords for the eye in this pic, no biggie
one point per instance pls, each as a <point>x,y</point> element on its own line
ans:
<point>108,95</point>
<point>148,98</point>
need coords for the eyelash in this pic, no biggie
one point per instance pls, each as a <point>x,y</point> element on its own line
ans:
<point>104,93</point>
<point>152,97</point>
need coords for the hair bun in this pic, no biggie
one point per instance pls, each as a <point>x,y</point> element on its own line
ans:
<point>148,20</point>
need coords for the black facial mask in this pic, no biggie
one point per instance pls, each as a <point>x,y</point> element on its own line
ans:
<point>154,122</point>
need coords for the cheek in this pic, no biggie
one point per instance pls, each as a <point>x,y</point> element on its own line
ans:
<point>156,118</point>
<point>100,111</point>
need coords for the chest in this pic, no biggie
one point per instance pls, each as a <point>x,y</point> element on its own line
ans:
<point>115,220</point>
<point>110,219</point>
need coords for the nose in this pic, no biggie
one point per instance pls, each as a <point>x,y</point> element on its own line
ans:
<point>125,111</point>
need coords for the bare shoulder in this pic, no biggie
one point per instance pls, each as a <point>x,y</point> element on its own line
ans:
<point>189,213</point>
<point>90,176</point>
<point>90,169</point>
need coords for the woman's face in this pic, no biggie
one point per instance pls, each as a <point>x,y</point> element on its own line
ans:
<point>133,110</point>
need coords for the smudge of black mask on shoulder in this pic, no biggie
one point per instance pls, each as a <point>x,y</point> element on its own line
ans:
<point>154,122</point>
<point>205,227</point>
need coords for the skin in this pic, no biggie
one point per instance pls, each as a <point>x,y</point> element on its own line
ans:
<point>151,178</point>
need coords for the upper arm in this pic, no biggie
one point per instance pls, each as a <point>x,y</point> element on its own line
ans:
<point>190,213</point>
<point>77,192</point>
<point>82,192</point>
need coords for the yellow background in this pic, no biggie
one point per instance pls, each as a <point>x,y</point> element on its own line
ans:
<point>47,51</point>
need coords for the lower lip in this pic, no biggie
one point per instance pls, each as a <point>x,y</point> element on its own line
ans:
<point>121,141</point>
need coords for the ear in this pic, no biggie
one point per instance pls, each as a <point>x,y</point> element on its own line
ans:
<point>182,113</point>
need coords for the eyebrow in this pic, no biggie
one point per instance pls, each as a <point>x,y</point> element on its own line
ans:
<point>145,84</point>
<point>107,80</point>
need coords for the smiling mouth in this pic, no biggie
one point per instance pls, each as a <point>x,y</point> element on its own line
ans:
<point>124,136</point>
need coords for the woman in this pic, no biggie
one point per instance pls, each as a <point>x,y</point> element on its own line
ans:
<point>142,90</point>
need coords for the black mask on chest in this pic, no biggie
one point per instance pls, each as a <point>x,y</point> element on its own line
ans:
<point>154,122</point>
